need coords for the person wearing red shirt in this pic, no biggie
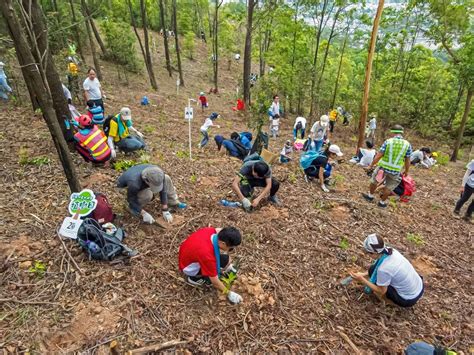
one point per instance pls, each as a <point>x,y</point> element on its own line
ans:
<point>203,101</point>
<point>203,256</point>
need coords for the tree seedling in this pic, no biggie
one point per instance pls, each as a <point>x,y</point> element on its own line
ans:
<point>38,268</point>
<point>417,239</point>
<point>344,243</point>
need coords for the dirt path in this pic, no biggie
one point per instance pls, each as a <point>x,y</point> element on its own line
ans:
<point>292,257</point>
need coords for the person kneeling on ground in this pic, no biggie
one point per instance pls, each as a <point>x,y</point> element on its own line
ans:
<point>286,152</point>
<point>203,257</point>
<point>232,147</point>
<point>467,190</point>
<point>119,133</point>
<point>365,157</point>
<point>421,158</point>
<point>91,142</point>
<point>143,181</point>
<point>317,167</point>
<point>243,137</point>
<point>391,276</point>
<point>255,173</point>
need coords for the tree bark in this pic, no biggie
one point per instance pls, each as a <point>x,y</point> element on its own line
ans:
<point>176,41</point>
<point>41,90</point>
<point>248,52</point>
<point>336,86</point>
<point>215,43</point>
<point>454,110</point>
<point>368,70</point>
<point>94,28</point>
<point>95,58</point>
<point>76,32</point>
<point>165,38</point>
<point>467,110</point>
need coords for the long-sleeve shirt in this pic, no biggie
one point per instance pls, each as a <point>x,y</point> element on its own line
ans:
<point>132,180</point>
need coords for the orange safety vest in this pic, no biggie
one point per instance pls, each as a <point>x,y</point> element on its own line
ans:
<point>95,143</point>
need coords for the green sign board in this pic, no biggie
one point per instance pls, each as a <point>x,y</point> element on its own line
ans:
<point>82,203</point>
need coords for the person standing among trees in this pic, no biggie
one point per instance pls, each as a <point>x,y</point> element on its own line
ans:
<point>467,190</point>
<point>372,127</point>
<point>93,89</point>
<point>392,158</point>
<point>275,107</point>
<point>5,89</point>
<point>319,132</point>
<point>332,119</point>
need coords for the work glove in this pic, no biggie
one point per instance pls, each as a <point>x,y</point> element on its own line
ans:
<point>168,217</point>
<point>230,268</point>
<point>324,188</point>
<point>113,153</point>
<point>140,134</point>
<point>147,218</point>
<point>234,298</point>
<point>246,204</point>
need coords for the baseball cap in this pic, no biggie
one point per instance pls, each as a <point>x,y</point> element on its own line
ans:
<point>154,177</point>
<point>126,113</point>
<point>336,150</point>
<point>324,120</point>
<point>201,93</point>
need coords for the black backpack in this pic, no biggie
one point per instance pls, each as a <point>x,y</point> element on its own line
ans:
<point>98,244</point>
<point>106,125</point>
<point>243,152</point>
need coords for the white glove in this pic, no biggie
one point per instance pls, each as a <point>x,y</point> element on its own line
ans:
<point>324,188</point>
<point>246,203</point>
<point>230,268</point>
<point>147,218</point>
<point>139,134</point>
<point>234,298</point>
<point>168,216</point>
<point>113,153</point>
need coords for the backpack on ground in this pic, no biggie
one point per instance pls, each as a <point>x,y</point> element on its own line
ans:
<point>98,244</point>
<point>243,152</point>
<point>307,158</point>
<point>103,212</point>
<point>253,157</point>
<point>409,188</point>
<point>106,126</point>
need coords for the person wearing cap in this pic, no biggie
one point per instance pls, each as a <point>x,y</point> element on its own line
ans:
<point>300,126</point>
<point>143,182</point>
<point>93,89</point>
<point>319,132</point>
<point>255,173</point>
<point>91,142</point>
<point>467,190</point>
<point>203,101</point>
<point>391,276</point>
<point>203,258</point>
<point>208,123</point>
<point>233,147</point>
<point>119,133</point>
<point>5,89</point>
<point>392,158</point>
<point>320,168</point>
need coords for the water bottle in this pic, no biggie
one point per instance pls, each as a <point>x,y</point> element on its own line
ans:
<point>226,203</point>
<point>93,247</point>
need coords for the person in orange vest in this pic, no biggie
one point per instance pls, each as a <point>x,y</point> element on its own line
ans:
<point>91,142</point>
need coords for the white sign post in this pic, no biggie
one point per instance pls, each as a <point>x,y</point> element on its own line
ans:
<point>188,115</point>
<point>177,86</point>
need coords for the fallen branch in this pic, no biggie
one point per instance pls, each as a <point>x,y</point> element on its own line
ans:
<point>13,300</point>
<point>69,254</point>
<point>158,347</point>
<point>349,341</point>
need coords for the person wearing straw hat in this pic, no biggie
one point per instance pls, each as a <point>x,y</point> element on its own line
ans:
<point>391,276</point>
<point>392,158</point>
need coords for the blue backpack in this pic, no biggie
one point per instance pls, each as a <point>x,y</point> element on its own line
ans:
<point>97,115</point>
<point>307,158</point>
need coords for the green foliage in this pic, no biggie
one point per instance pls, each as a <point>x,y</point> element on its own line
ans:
<point>344,243</point>
<point>149,129</point>
<point>228,280</point>
<point>122,165</point>
<point>188,45</point>
<point>442,159</point>
<point>182,154</point>
<point>193,178</point>
<point>24,158</point>
<point>120,43</point>
<point>416,239</point>
<point>38,268</point>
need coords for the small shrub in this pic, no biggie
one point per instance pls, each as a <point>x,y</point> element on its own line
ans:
<point>443,159</point>
<point>416,239</point>
<point>344,243</point>
<point>182,154</point>
<point>188,45</point>
<point>229,280</point>
<point>38,268</point>
<point>122,165</point>
<point>24,159</point>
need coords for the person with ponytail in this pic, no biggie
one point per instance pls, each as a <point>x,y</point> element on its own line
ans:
<point>391,276</point>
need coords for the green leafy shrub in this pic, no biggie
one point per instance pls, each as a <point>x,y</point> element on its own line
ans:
<point>188,45</point>
<point>344,243</point>
<point>443,159</point>
<point>38,268</point>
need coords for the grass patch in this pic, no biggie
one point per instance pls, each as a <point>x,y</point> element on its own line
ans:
<point>416,239</point>
<point>193,178</point>
<point>182,154</point>
<point>24,159</point>
<point>149,129</point>
<point>344,243</point>
<point>443,159</point>
<point>292,178</point>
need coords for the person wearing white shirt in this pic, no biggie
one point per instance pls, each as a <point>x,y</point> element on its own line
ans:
<point>275,107</point>
<point>208,123</point>
<point>391,277</point>
<point>467,190</point>
<point>319,132</point>
<point>93,89</point>
<point>372,127</point>
<point>300,125</point>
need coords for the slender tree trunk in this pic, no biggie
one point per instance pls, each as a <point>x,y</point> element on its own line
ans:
<point>408,63</point>
<point>368,70</point>
<point>248,52</point>
<point>467,110</point>
<point>336,86</point>
<point>215,41</point>
<point>95,58</point>
<point>176,41</point>
<point>94,28</point>
<point>165,38</point>
<point>76,32</point>
<point>147,53</point>
<point>455,107</point>
<point>41,90</point>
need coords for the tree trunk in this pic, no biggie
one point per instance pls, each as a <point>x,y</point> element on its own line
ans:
<point>41,39</point>
<point>333,101</point>
<point>176,41</point>
<point>165,38</point>
<point>76,32</point>
<point>368,70</point>
<point>215,42</point>
<point>454,110</point>
<point>467,110</point>
<point>248,52</point>
<point>41,90</point>
<point>146,53</point>
<point>95,58</point>
<point>94,28</point>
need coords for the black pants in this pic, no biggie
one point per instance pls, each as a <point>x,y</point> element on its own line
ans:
<point>313,171</point>
<point>331,126</point>
<point>393,295</point>
<point>468,191</point>
<point>246,187</point>
<point>224,260</point>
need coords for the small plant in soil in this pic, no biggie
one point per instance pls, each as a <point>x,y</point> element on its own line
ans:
<point>193,178</point>
<point>338,179</point>
<point>344,243</point>
<point>38,268</point>
<point>24,159</point>
<point>416,239</point>
<point>149,129</point>
<point>181,154</point>
<point>292,177</point>
<point>443,159</point>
